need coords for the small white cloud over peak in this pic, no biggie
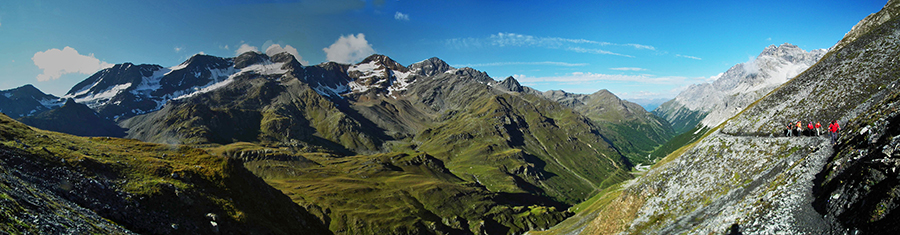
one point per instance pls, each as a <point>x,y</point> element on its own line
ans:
<point>715,77</point>
<point>401,16</point>
<point>750,67</point>
<point>178,49</point>
<point>349,49</point>
<point>55,62</point>
<point>689,57</point>
<point>245,48</point>
<point>628,69</point>
<point>276,48</point>
<point>201,53</point>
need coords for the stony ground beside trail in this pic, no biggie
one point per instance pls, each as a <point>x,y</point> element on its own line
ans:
<point>763,185</point>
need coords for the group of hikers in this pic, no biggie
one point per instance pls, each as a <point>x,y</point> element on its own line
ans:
<point>797,129</point>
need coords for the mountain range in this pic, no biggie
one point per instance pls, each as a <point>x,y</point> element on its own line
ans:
<point>261,144</point>
<point>373,146</point>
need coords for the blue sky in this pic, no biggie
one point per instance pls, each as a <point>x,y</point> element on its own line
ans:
<point>636,49</point>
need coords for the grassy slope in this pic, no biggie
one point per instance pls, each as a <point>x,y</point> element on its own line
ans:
<point>633,131</point>
<point>551,147</point>
<point>392,193</point>
<point>160,184</point>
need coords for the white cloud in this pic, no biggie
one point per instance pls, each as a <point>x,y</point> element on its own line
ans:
<point>244,48</point>
<point>714,77</point>
<point>55,62</point>
<point>178,49</point>
<point>513,39</point>
<point>639,46</point>
<point>276,48</point>
<point>581,77</point>
<point>595,51</point>
<point>689,57</point>
<point>628,69</point>
<point>401,16</point>
<point>201,53</point>
<point>521,63</point>
<point>349,49</point>
<point>750,67</point>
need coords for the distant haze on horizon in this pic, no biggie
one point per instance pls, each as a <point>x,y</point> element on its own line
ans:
<point>639,50</point>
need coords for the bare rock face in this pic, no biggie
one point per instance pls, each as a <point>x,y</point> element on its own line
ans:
<point>709,104</point>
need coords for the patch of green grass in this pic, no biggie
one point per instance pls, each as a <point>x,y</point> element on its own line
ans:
<point>155,173</point>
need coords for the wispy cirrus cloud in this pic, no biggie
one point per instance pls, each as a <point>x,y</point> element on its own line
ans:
<point>522,40</point>
<point>689,57</point>
<point>553,63</point>
<point>582,77</point>
<point>595,51</point>
<point>628,69</point>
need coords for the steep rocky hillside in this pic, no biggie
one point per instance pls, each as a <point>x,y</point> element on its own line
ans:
<point>53,183</point>
<point>709,104</point>
<point>745,177</point>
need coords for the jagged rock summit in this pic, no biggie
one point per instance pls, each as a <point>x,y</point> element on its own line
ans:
<point>709,104</point>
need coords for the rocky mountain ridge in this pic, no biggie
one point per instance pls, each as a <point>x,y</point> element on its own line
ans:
<point>27,100</point>
<point>709,104</point>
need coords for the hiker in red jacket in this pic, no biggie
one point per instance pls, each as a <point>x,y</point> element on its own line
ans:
<point>834,128</point>
<point>818,128</point>
<point>809,128</point>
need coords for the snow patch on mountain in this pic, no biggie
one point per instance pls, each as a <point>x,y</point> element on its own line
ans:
<point>401,82</point>
<point>266,68</point>
<point>100,98</point>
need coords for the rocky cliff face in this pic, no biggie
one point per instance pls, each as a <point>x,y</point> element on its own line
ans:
<point>709,104</point>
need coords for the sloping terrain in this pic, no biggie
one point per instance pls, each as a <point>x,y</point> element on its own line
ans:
<point>631,129</point>
<point>74,118</point>
<point>57,183</point>
<point>743,177</point>
<point>519,156</point>
<point>378,147</point>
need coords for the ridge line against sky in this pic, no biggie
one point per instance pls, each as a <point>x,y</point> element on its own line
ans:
<point>637,49</point>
